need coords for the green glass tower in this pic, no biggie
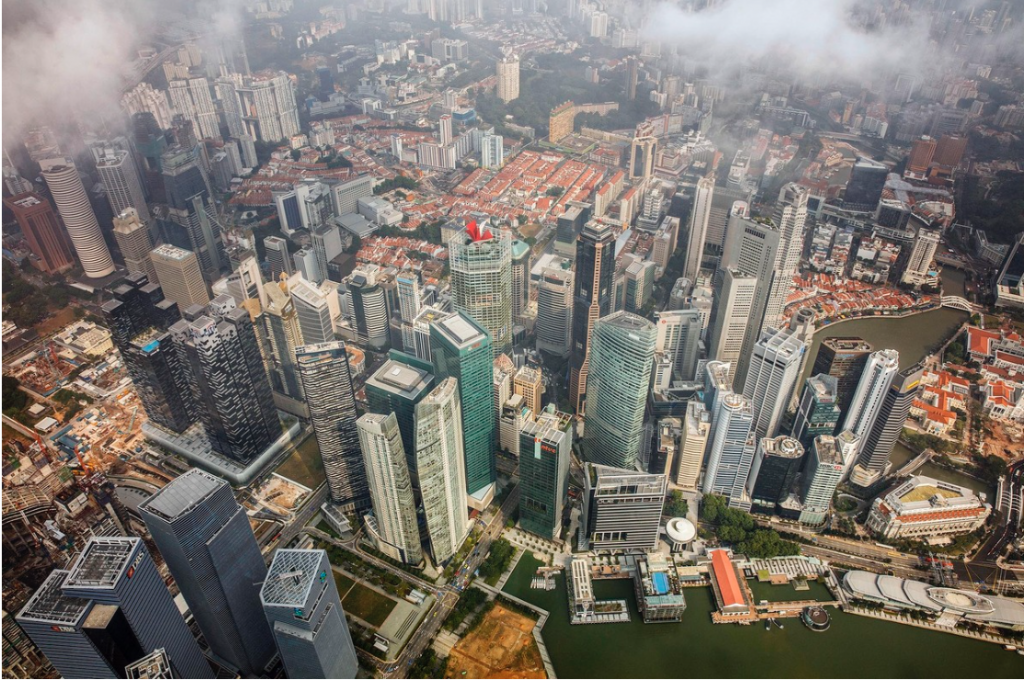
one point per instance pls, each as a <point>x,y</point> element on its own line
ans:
<point>396,387</point>
<point>544,450</point>
<point>461,349</point>
<point>621,357</point>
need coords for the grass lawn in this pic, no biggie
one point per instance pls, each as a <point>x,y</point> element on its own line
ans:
<point>369,605</point>
<point>344,583</point>
<point>305,465</point>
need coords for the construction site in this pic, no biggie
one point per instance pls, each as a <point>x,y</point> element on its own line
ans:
<point>500,646</point>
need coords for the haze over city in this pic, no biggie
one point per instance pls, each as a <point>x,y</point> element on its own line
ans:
<point>472,338</point>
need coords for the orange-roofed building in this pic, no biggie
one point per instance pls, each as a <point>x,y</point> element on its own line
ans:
<point>730,593</point>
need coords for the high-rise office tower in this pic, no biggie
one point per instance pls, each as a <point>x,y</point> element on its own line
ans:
<point>774,470</point>
<point>621,509</point>
<point>632,76</point>
<point>120,610</point>
<point>621,358</point>
<point>722,207</point>
<point>553,328</point>
<point>921,153</point>
<point>441,466</point>
<point>843,359</point>
<point>312,309</point>
<point>864,190</point>
<point>921,256</point>
<point>133,239</point>
<point>679,338</point>
<point>751,246</point>
<point>42,231</point>
<point>866,403</point>
<point>193,221</point>
<point>772,376</point>
<point>642,150</point>
<point>481,278</point>
<point>278,325</point>
<point>369,307</point>
<point>876,446</point>
<point>790,217</point>
<point>545,447</point>
<point>73,205</point>
<point>592,299</point>
<point>192,99</point>
<point>301,603</point>
<point>228,378</point>
<point>409,301</point>
<point>730,317</point>
<point>698,229</point>
<point>730,450</point>
<point>520,279</point>
<point>327,383</point>
<point>396,387</point>
<point>392,526</point>
<point>178,272</point>
<point>116,165</point>
<point>693,442</point>
<point>205,538</point>
<point>822,474</point>
<point>139,318</point>
<point>461,349</point>
<point>278,257</point>
<point>529,383</point>
<point>508,78</point>
<point>949,150</point>
<point>818,412</point>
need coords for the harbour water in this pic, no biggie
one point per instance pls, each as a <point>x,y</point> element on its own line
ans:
<point>695,647</point>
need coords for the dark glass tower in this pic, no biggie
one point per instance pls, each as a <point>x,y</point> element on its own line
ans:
<point>592,299</point>
<point>139,318</point>
<point>843,359</point>
<point>774,471</point>
<point>818,412</point>
<point>397,387</point>
<point>228,378</point>
<point>205,538</point>
<point>193,220</point>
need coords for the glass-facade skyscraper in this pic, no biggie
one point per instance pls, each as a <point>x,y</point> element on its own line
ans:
<point>545,446</point>
<point>396,387</point>
<point>621,357</point>
<point>592,299</point>
<point>481,277</point>
<point>206,540</point>
<point>818,413</point>
<point>461,349</point>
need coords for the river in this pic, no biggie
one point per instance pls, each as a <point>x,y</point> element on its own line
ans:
<point>854,646</point>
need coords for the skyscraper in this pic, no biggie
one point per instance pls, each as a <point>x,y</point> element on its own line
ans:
<point>301,603</point>
<point>133,239</point>
<point>731,450</point>
<point>73,205</point>
<point>409,303</point>
<point>921,256</point>
<point>553,328</point>
<point>205,538</point>
<point>595,274</point>
<point>876,446</point>
<point>866,403</point>
<point>282,335</point>
<point>228,379</point>
<point>699,216</point>
<point>265,102</point>
<point>679,339</point>
<point>441,465</point>
<point>772,376</point>
<point>192,223</point>
<point>620,372</point>
<point>313,312</point>
<point>278,257</point>
<point>730,318</point>
<point>369,307</point>
<point>192,99</point>
<point>545,447</point>
<point>790,216</point>
<point>116,166</point>
<point>864,190</point>
<point>520,279</point>
<point>843,359</point>
<point>774,470</point>
<point>693,442</point>
<point>461,349</point>
<point>481,279</point>
<point>396,387</point>
<point>42,231</point>
<point>327,383</point>
<point>392,526</point>
<point>139,319</point>
<point>621,509</point>
<point>179,275</point>
<point>818,413</point>
<point>508,78</point>
<point>822,474</point>
<point>129,607</point>
<point>529,383</point>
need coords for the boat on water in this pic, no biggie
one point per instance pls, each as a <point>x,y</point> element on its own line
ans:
<point>1010,648</point>
<point>767,624</point>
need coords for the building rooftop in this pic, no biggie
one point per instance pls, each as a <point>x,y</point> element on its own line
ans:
<point>402,379</point>
<point>169,252</point>
<point>182,494</point>
<point>102,561</point>
<point>461,329</point>
<point>725,575</point>
<point>290,577</point>
<point>49,603</point>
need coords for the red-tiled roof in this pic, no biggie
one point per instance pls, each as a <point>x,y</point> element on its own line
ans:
<point>725,575</point>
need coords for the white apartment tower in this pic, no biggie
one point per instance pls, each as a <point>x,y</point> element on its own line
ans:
<point>72,202</point>
<point>698,226</point>
<point>508,78</point>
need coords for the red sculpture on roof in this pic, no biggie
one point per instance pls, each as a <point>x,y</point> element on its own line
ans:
<point>478,234</point>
